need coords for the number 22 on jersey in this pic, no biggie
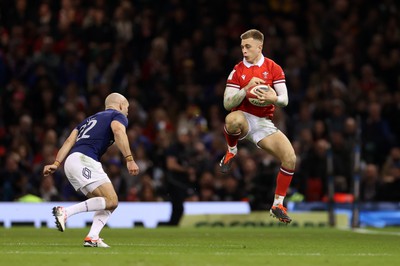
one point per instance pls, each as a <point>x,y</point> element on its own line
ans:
<point>84,130</point>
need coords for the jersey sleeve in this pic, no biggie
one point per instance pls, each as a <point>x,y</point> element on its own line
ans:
<point>233,79</point>
<point>121,118</point>
<point>80,124</point>
<point>278,74</point>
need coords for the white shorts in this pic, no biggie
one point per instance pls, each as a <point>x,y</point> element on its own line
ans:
<point>259,128</point>
<point>84,173</point>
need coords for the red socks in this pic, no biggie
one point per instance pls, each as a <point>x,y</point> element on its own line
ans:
<point>284,176</point>
<point>231,139</point>
<point>283,181</point>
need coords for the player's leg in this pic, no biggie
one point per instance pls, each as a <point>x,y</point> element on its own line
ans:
<point>279,145</point>
<point>236,126</point>
<point>87,181</point>
<point>100,218</point>
<point>93,203</point>
<point>106,191</point>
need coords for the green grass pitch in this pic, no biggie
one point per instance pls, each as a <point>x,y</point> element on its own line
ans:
<point>201,246</point>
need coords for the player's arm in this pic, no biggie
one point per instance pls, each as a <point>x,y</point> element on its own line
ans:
<point>282,94</point>
<point>62,153</point>
<point>277,96</point>
<point>121,139</point>
<point>279,84</point>
<point>233,97</point>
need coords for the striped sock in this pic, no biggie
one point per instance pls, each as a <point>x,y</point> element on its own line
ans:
<point>231,140</point>
<point>100,219</point>
<point>283,181</point>
<point>92,204</point>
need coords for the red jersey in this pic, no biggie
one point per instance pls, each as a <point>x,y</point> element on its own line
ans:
<point>241,75</point>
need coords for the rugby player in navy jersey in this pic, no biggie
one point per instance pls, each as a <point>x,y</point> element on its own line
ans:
<point>82,151</point>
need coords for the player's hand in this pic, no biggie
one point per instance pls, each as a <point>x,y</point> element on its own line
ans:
<point>49,169</point>
<point>255,81</point>
<point>133,168</point>
<point>266,96</point>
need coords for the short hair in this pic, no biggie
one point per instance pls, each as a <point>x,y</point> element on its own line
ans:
<point>253,33</point>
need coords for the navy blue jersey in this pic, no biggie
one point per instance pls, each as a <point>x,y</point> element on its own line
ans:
<point>95,134</point>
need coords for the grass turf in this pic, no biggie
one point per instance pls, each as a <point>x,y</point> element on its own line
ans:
<point>201,246</point>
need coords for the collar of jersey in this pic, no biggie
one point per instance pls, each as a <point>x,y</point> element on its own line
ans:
<point>259,63</point>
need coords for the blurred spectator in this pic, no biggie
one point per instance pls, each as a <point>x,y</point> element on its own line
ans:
<point>180,173</point>
<point>343,157</point>
<point>230,190</point>
<point>113,169</point>
<point>389,186</point>
<point>45,54</point>
<point>320,131</point>
<point>377,137</point>
<point>392,161</point>
<point>314,169</point>
<point>13,179</point>
<point>99,33</point>
<point>207,187</point>
<point>122,21</point>
<point>147,192</point>
<point>47,189</point>
<point>301,121</point>
<point>14,102</point>
<point>370,179</point>
<point>338,116</point>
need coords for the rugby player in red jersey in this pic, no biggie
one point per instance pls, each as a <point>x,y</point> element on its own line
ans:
<point>248,121</point>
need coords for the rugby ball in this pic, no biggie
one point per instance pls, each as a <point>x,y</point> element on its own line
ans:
<point>253,97</point>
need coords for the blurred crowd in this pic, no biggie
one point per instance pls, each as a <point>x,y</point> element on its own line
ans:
<point>171,59</point>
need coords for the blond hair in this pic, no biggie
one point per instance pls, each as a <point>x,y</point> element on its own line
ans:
<point>253,33</point>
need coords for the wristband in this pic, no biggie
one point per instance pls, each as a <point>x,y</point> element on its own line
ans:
<point>129,158</point>
<point>56,163</point>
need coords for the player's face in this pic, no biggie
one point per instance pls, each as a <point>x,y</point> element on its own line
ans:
<point>251,50</point>
<point>124,108</point>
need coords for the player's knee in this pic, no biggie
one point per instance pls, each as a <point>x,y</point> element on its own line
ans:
<point>289,160</point>
<point>114,205</point>
<point>233,121</point>
<point>111,203</point>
